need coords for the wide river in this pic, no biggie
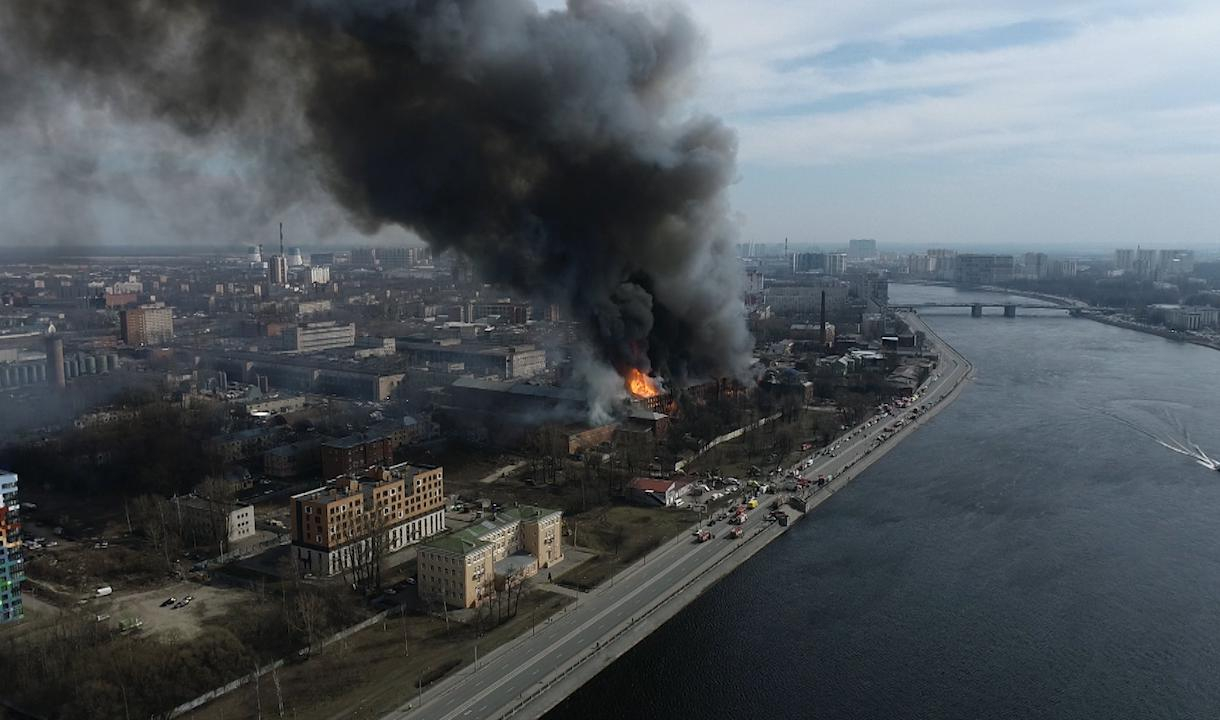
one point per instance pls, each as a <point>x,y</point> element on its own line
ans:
<point>1033,552</point>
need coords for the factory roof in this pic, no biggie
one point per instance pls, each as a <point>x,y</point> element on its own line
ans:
<point>521,389</point>
<point>460,347</point>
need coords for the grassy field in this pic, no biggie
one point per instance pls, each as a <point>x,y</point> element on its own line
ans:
<point>377,669</point>
<point>619,536</point>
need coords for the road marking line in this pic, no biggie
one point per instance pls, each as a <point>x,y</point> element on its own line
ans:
<point>687,556</point>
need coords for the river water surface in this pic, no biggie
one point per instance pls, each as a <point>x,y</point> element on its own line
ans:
<point>1033,552</point>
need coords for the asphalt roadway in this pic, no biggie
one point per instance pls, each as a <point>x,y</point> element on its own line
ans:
<point>526,675</point>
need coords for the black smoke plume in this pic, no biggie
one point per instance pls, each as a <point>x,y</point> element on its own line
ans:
<point>552,148</point>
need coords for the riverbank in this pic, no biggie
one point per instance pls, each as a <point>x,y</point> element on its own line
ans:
<point>537,672</point>
<point>1164,332</point>
<point>1100,316</point>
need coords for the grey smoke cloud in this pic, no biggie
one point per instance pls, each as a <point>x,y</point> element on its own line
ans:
<point>551,148</point>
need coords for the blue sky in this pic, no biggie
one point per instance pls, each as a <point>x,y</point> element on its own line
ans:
<point>933,122</point>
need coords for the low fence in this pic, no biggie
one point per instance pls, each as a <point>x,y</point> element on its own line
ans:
<point>229,687</point>
<point>246,551</point>
<point>731,435</point>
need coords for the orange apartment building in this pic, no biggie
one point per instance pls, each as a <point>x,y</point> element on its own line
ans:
<point>331,525</point>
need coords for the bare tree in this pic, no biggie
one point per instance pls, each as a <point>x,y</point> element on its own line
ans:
<point>219,496</point>
<point>156,520</point>
<point>311,612</point>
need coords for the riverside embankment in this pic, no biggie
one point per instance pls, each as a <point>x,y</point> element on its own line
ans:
<point>1033,553</point>
<point>535,672</point>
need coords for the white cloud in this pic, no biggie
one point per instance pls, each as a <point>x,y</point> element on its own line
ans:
<point>1120,95</point>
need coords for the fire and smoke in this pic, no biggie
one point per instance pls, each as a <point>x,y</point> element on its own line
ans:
<point>640,385</point>
<point>553,149</point>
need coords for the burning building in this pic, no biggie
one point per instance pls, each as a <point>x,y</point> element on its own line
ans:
<point>591,189</point>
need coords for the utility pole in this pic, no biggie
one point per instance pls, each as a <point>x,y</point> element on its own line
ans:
<point>258,697</point>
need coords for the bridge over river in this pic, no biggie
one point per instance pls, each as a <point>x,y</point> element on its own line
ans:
<point>976,309</point>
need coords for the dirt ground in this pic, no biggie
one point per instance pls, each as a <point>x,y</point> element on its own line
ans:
<point>185,623</point>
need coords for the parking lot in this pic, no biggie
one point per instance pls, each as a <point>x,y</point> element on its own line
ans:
<point>187,622</point>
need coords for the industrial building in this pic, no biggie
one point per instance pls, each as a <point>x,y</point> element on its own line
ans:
<point>313,337</point>
<point>277,270</point>
<point>461,568</point>
<point>515,362</point>
<point>367,515</point>
<point>805,300</point>
<point>310,374</point>
<point>516,313</point>
<point>146,325</point>
<point>503,412</point>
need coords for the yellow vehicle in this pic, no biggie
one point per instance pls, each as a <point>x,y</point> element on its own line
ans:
<point>752,504</point>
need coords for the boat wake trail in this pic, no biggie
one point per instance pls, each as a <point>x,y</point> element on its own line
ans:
<point>1182,447</point>
<point>1193,451</point>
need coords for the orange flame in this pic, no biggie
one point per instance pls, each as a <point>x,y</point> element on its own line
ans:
<point>640,384</point>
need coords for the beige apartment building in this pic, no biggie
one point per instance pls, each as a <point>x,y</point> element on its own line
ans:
<point>147,325</point>
<point>462,568</point>
<point>333,526</point>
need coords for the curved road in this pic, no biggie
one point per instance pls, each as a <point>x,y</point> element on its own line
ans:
<point>533,672</point>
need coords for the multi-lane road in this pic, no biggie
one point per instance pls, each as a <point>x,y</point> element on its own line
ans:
<point>529,675</point>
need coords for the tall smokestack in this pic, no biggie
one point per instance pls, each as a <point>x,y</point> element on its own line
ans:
<point>55,361</point>
<point>823,318</point>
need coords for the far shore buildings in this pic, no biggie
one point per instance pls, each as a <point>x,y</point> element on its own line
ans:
<point>462,568</point>
<point>368,514</point>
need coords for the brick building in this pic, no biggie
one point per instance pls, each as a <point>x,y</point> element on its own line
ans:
<point>337,526</point>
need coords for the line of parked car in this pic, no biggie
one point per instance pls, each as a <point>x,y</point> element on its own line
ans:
<point>174,603</point>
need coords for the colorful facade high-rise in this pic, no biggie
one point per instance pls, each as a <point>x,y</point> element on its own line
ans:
<point>12,568</point>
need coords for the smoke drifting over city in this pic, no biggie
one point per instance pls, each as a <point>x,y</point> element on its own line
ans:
<point>550,148</point>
